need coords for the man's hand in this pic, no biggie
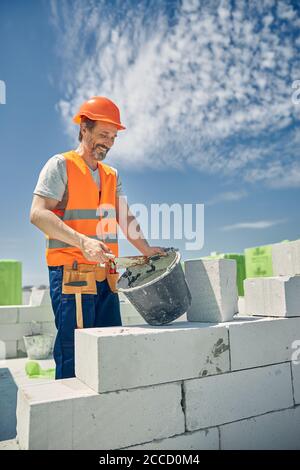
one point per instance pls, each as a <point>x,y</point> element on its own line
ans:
<point>153,250</point>
<point>95,250</point>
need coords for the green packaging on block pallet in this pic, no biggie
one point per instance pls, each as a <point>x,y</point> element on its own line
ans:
<point>10,282</point>
<point>259,261</point>
<point>240,265</point>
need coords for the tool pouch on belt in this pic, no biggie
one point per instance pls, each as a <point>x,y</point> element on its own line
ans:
<point>112,280</point>
<point>79,279</point>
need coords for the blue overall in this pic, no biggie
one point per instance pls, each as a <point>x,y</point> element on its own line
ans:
<point>98,310</point>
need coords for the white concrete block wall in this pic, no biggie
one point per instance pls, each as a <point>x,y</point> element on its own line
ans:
<point>49,328</point>
<point>8,349</point>
<point>122,358</point>
<point>273,431</point>
<point>286,258</point>
<point>38,313</point>
<point>66,414</point>
<point>181,386</point>
<point>40,296</point>
<point>44,414</point>
<point>230,397</point>
<point>207,439</point>
<point>135,416</point>
<point>189,414</point>
<point>14,332</point>
<point>262,341</point>
<point>296,382</point>
<point>20,320</point>
<point>8,315</point>
<point>254,296</point>
<point>272,296</point>
<point>129,315</point>
<point>241,305</point>
<point>213,288</point>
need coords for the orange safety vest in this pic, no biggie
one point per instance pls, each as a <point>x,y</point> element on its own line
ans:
<point>84,212</point>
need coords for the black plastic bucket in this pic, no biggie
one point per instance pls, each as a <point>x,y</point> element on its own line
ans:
<point>158,290</point>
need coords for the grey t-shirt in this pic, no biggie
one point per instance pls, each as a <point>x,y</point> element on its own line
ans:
<point>53,180</point>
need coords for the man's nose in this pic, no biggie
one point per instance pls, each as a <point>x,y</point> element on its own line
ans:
<point>109,141</point>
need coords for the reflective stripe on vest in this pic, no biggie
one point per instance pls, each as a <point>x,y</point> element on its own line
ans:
<point>78,214</point>
<point>83,212</point>
<point>52,243</point>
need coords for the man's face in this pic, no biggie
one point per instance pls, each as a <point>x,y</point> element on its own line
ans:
<point>99,139</point>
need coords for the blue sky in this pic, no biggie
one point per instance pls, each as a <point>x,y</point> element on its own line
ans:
<point>204,91</point>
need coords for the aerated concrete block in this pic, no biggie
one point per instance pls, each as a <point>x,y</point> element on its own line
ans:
<point>8,349</point>
<point>117,358</point>
<point>256,342</point>
<point>14,331</point>
<point>39,313</point>
<point>286,258</point>
<point>296,379</point>
<point>66,414</point>
<point>241,306</point>
<point>130,315</point>
<point>8,315</point>
<point>44,414</point>
<point>273,296</point>
<point>49,328</point>
<point>220,399</point>
<point>279,430</point>
<point>40,297</point>
<point>213,287</point>
<point>119,419</point>
<point>132,321</point>
<point>198,440</point>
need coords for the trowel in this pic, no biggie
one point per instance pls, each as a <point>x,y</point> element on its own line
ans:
<point>125,262</point>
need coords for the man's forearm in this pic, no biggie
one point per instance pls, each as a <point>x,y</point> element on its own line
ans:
<point>55,228</point>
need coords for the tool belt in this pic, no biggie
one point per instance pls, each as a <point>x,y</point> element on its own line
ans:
<point>81,279</point>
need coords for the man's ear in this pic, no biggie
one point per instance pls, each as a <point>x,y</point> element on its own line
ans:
<point>82,128</point>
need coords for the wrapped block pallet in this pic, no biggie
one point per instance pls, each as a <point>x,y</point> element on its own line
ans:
<point>10,282</point>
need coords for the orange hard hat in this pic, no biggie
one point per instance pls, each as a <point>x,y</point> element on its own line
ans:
<point>99,108</point>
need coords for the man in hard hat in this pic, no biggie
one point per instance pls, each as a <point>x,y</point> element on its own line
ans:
<point>77,203</point>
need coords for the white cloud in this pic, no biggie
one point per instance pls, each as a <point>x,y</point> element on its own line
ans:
<point>209,88</point>
<point>258,225</point>
<point>229,196</point>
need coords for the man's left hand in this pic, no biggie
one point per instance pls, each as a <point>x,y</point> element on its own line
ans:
<point>154,250</point>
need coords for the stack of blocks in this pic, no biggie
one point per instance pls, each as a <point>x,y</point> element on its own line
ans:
<point>17,321</point>
<point>216,381</point>
<point>277,296</point>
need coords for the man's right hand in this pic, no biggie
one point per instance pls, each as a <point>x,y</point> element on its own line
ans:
<point>95,250</point>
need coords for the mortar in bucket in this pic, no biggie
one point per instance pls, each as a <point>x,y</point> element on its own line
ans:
<point>157,289</point>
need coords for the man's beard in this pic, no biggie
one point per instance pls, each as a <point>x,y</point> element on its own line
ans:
<point>99,152</point>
